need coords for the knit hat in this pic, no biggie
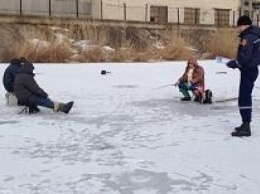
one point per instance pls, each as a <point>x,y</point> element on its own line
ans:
<point>15,61</point>
<point>244,20</point>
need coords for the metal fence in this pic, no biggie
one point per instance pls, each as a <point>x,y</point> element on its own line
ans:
<point>96,9</point>
<point>60,8</point>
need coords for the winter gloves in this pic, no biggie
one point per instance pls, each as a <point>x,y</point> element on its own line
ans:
<point>187,84</point>
<point>232,64</point>
<point>176,83</point>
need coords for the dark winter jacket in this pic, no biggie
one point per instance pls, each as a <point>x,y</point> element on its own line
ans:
<point>25,87</point>
<point>10,73</point>
<point>248,53</point>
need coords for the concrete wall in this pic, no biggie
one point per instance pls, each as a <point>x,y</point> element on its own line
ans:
<point>66,8</point>
<point>136,10</point>
<point>12,7</point>
<point>132,10</point>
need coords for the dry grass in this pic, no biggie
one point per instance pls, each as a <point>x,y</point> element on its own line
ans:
<point>50,47</point>
<point>121,55</point>
<point>222,42</point>
<point>84,31</point>
<point>176,47</point>
<point>92,55</point>
<point>41,45</point>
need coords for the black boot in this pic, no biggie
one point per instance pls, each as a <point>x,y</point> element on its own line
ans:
<point>65,107</point>
<point>33,109</point>
<point>198,98</point>
<point>186,99</point>
<point>239,127</point>
<point>243,130</point>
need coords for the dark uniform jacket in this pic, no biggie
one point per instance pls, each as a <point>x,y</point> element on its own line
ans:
<point>25,87</point>
<point>248,53</point>
<point>10,73</point>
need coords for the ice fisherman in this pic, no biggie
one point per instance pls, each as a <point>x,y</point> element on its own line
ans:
<point>10,73</point>
<point>9,77</point>
<point>192,80</point>
<point>30,94</point>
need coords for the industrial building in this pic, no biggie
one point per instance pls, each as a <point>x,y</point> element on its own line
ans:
<point>192,12</point>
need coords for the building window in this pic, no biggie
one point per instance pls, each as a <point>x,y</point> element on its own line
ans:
<point>222,17</point>
<point>191,16</point>
<point>159,14</point>
<point>246,3</point>
<point>256,5</point>
<point>246,12</point>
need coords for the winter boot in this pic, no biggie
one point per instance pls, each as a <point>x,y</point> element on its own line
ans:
<point>185,94</point>
<point>62,107</point>
<point>243,130</point>
<point>198,98</point>
<point>186,99</point>
<point>33,109</point>
<point>208,97</point>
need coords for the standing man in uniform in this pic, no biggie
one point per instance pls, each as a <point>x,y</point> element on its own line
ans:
<point>247,61</point>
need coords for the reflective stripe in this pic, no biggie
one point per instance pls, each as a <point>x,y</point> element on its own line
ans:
<point>256,41</point>
<point>238,64</point>
<point>245,107</point>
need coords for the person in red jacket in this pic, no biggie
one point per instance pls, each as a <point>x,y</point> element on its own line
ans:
<point>192,80</point>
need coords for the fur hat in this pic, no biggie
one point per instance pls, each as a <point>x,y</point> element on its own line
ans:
<point>244,20</point>
<point>192,61</point>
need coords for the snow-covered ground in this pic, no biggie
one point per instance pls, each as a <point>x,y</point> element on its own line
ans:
<point>127,136</point>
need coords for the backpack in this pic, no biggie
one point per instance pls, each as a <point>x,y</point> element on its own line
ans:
<point>208,97</point>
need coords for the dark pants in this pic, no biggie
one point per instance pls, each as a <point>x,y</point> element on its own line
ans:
<point>247,80</point>
<point>37,101</point>
<point>45,102</point>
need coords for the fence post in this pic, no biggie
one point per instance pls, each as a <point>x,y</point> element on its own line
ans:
<point>146,12</point>
<point>239,12</point>
<point>50,8</point>
<point>101,10</point>
<point>257,18</point>
<point>234,18</point>
<point>178,16</point>
<point>77,9</point>
<point>21,7</point>
<point>125,11</point>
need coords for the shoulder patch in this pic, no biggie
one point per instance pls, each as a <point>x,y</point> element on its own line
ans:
<point>244,42</point>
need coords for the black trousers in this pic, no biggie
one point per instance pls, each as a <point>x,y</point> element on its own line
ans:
<point>247,80</point>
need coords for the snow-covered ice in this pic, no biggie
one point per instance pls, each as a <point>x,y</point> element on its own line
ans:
<point>127,136</point>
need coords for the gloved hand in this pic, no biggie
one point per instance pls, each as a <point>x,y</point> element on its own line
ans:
<point>189,84</point>
<point>176,83</point>
<point>232,64</point>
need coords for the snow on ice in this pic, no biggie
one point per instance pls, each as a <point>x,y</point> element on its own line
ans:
<point>124,136</point>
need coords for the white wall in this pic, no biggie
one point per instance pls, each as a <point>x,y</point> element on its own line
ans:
<point>113,9</point>
<point>136,10</point>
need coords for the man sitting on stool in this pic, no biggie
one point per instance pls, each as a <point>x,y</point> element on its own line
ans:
<point>30,94</point>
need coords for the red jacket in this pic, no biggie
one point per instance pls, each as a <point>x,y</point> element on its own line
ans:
<point>197,75</point>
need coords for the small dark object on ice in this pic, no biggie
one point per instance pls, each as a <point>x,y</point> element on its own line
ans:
<point>104,72</point>
<point>221,72</point>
